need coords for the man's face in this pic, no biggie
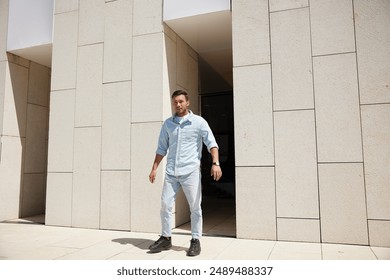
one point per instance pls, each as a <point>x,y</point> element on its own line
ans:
<point>180,105</point>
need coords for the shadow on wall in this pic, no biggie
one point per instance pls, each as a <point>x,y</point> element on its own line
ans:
<point>25,135</point>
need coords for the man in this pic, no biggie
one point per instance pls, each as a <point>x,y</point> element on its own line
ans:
<point>182,137</point>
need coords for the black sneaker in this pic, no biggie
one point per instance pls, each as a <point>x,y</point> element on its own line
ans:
<point>163,243</point>
<point>194,249</point>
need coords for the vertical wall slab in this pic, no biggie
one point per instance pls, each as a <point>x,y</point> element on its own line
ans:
<point>15,100</point>
<point>63,6</point>
<point>145,197</point>
<point>147,16</point>
<point>296,165</point>
<point>303,230</point>
<point>332,26</point>
<point>250,27</point>
<point>118,52</point>
<point>59,199</point>
<point>4,7</point>
<point>372,23</point>
<point>291,60</point>
<point>10,176</point>
<point>33,195</point>
<point>343,205</point>
<point>115,200</point>
<point>253,116</point>
<point>379,233</point>
<point>193,81</point>
<point>170,67</point>
<point>147,78</point>
<point>89,86</point>
<point>279,5</point>
<point>376,141</point>
<point>36,135</point>
<point>64,61</point>
<point>61,131</point>
<point>337,108</point>
<point>91,25</point>
<point>182,63</point>
<point>255,203</point>
<point>39,84</point>
<point>116,126</point>
<point>86,178</point>
<point>3,71</point>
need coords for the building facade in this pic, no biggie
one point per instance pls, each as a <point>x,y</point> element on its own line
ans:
<point>309,85</point>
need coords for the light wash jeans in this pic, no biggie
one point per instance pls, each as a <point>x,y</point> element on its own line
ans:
<point>192,189</point>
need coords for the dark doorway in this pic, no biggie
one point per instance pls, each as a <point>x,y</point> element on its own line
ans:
<point>219,197</point>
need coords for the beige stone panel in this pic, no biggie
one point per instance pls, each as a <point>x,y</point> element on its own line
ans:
<point>332,26</point>
<point>280,5</point>
<point>379,233</point>
<point>61,131</point>
<point>36,135</point>
<point>145,197</point>
<point>115,200</point>
<point>63,6</point>
<point>250,27</point>
<point>15,101</point>
<point>372,23</point>
<point>376,147</point>
<point>255,203</point>
<point>10,176</point>
<point>91,22</point>
<point>170,71</point>
<point>253,116</point>
<point>148,78</point>
<point>39,84</point>
<point>89,86</point>
<point>296,165</point>
<point>193,82</point>
<point>116,124</point>
<point>118,53</point>
<point>182,63</point>
<point>18,60</point>
<point>59,199</point>
<point>3,71</point>
<point>291,60</point>
<point>147,16</point>
<point>337,109</point>
<point>33,195</point>
<point>343,203</point>
<point>64,57</point>
<point>4,5</point>
<point>302,230</point>
<point>86,178</point>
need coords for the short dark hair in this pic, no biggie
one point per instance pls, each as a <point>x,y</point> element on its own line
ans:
<point>180,92</point>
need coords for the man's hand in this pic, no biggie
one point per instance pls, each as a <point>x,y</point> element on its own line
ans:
<point>152,176</point>
<point>216,172</point>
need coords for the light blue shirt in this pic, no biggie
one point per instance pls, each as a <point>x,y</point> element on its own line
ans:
<point>182,139</point>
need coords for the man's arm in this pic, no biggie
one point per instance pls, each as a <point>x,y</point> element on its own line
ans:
<point>152,176</point>
<point>216,171</point>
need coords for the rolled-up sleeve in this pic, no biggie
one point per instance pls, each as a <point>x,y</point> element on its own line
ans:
<point>162,147</point>
<point>208,136</point>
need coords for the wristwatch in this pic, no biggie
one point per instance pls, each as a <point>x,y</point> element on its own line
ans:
<point>216,163</point>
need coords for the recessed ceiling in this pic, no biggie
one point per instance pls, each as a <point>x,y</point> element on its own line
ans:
<point>210,35</point>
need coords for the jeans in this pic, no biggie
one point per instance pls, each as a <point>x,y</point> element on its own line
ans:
<point>191,184</point>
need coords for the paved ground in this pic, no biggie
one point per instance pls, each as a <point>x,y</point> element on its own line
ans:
<point>25,240</point>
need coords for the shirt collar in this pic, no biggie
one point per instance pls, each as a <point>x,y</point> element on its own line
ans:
<point>186,117</point>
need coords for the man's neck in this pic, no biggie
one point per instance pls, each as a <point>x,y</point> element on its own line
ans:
<point>183,115</point>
